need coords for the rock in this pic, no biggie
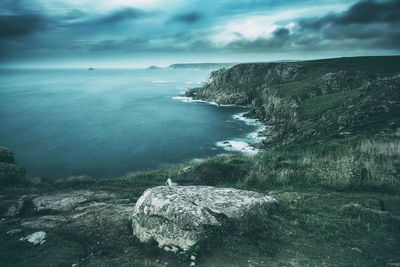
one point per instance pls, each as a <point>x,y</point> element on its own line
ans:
<point>67,201</point>
<point>8,168</point>
<point>91,215</point>
<point>192,258</point>
<point>192,263</point>
<point>11,171</point>
<point>6,155</point>
<point>181,216</point>
<point>15,209</point>
<point>47,221</point>
<point>36,238</point>
<point>187,169</point>
<point>170,183</point>
<point>14,231</point>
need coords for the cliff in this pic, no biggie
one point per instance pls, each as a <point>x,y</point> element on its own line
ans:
<point>312,99</point>
<point>202,66</point>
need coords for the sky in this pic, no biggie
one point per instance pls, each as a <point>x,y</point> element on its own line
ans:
<point>139,33</point>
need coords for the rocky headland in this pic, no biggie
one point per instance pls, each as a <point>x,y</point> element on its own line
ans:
<point>311,99</point>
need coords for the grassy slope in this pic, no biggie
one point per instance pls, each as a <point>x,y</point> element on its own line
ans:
<point>339,201</point>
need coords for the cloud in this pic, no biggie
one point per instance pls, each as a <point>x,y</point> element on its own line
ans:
<point>18,25</point>
<point>82,27</point>
<point>121,15</point>
<point>365,25</point>
<point>189,18</point>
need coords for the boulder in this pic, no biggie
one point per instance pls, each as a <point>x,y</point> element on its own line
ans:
<point>36,238</point>
<point>182,216</point>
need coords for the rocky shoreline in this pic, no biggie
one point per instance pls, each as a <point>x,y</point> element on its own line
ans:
<point>309,99</point>
<point>249,145</point>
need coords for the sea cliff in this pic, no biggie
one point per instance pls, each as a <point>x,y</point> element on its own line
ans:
<point>312,99</point>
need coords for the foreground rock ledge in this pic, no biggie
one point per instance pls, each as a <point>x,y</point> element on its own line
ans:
<point>181,216</point>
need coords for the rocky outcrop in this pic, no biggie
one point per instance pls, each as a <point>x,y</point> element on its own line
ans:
<point>178,217</point>
<point>311,99</point>
<point>36,238</point>
<point>81,211</point>
<point>8,168</point>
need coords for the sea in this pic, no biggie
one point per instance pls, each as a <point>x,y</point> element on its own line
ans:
<point>108,122</point>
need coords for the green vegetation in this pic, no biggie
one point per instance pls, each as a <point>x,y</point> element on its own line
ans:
<point>339,205</point>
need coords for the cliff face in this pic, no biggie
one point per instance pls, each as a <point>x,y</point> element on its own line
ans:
<point>312,99</point>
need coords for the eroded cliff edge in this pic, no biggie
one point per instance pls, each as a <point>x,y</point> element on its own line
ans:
<point>312,99</point>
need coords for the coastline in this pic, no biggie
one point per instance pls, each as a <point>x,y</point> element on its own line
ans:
<point>242,145</point>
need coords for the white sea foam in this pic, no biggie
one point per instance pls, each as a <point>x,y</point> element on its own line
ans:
<point>193,82</point>
<point>237,145</point>
<point>190,99</point>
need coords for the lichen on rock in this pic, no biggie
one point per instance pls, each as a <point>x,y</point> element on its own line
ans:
<point>182,216</point>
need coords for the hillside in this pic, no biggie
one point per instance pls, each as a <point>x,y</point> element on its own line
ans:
<point>201,66</point>
<point>312,99</point>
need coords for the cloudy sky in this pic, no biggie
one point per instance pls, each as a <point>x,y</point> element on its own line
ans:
<point>138,33</point>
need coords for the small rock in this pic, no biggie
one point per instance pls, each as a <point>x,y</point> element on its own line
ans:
<point>187,169</point>
<point>157,261</point>
<point>14,231</point>
<point>193,258</point>
<point>75,265</point>
<point>171,249</point>
<point>170,183</point>
<point>35,238</point>
<point>16,209</point>
<point>192,263</point>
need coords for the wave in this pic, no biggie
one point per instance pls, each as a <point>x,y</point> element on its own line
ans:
<point>242,145</point>
<point>238,145</point>
<point>194,82</point>
<point>190,99</point>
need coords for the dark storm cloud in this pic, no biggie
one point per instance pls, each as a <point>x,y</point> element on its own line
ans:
<point>367,24</point>
<point>371,12</point>
<point>362,13</point>
<point>191,17</point>
<point>122,15</point>
<point>105,22</point>
<point>24,24</point>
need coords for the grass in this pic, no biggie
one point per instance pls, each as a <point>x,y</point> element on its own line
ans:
<point>339,205</point>
<point>317,105</point>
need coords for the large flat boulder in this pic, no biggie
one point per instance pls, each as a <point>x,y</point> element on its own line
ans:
<point>182,216</point>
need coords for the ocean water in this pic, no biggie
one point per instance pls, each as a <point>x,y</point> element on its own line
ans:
<point>108,122</point>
